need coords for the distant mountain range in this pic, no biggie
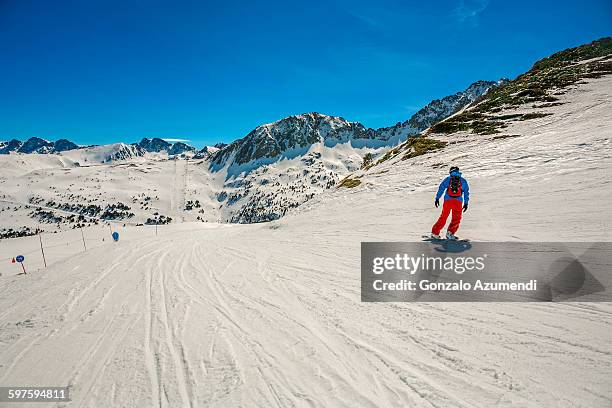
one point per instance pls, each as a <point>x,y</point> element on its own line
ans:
<point>289,134</point>
<point>36,145</point>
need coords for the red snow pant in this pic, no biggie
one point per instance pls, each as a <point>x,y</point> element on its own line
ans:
<point>456,207</point>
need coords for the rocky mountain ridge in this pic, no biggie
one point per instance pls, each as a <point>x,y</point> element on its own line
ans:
<point>37,145</point>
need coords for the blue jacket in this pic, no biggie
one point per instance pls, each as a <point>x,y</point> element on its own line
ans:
<point>444,187</point>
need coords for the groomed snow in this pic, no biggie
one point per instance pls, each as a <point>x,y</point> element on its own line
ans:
<point>270,314</point>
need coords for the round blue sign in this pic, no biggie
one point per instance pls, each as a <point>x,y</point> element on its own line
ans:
<point>20,258</point>
<point>115,236</point>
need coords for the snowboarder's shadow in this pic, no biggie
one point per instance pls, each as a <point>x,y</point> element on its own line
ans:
<point>447,245</point>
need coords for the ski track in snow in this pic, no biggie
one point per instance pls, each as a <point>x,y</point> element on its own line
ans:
<point>270,314</point>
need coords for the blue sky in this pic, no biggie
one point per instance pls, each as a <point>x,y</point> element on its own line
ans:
<point>100,71</point>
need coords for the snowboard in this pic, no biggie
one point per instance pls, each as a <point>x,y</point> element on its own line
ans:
<point>428,238</point>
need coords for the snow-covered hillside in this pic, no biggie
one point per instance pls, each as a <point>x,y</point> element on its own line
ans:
<point>105,153</point>
<point>269,314</point>
<point>268,191</point>
<point>55,192</point>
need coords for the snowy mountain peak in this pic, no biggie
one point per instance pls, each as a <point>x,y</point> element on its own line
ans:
<point>293,133</point>
<point>154,145</point>
<point>179,148</point>
<point>314,118</point>
<point>157,145</point>
<point>63,145</point>
<point>37,145</point>
<point>11,146</point>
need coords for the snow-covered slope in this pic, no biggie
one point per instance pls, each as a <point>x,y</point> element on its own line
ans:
<point>104,153</point>
<point>268,191</point>
<point>56,192</point>
<point>270,314</point>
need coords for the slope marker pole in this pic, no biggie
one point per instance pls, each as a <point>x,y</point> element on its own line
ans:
<point>83,236</point>
<point>42,249</point>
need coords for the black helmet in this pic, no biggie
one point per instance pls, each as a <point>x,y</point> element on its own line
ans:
<point>453,168</point>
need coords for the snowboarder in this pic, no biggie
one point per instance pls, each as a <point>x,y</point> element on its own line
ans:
<point>456,192</point>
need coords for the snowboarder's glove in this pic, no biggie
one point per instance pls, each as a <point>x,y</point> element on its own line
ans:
<point>437,202</point>
<point>465,207</point>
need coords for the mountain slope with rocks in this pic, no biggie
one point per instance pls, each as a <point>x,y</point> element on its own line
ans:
<point>289,137</point>
<point>532,93</point>
<point>440,109</point>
